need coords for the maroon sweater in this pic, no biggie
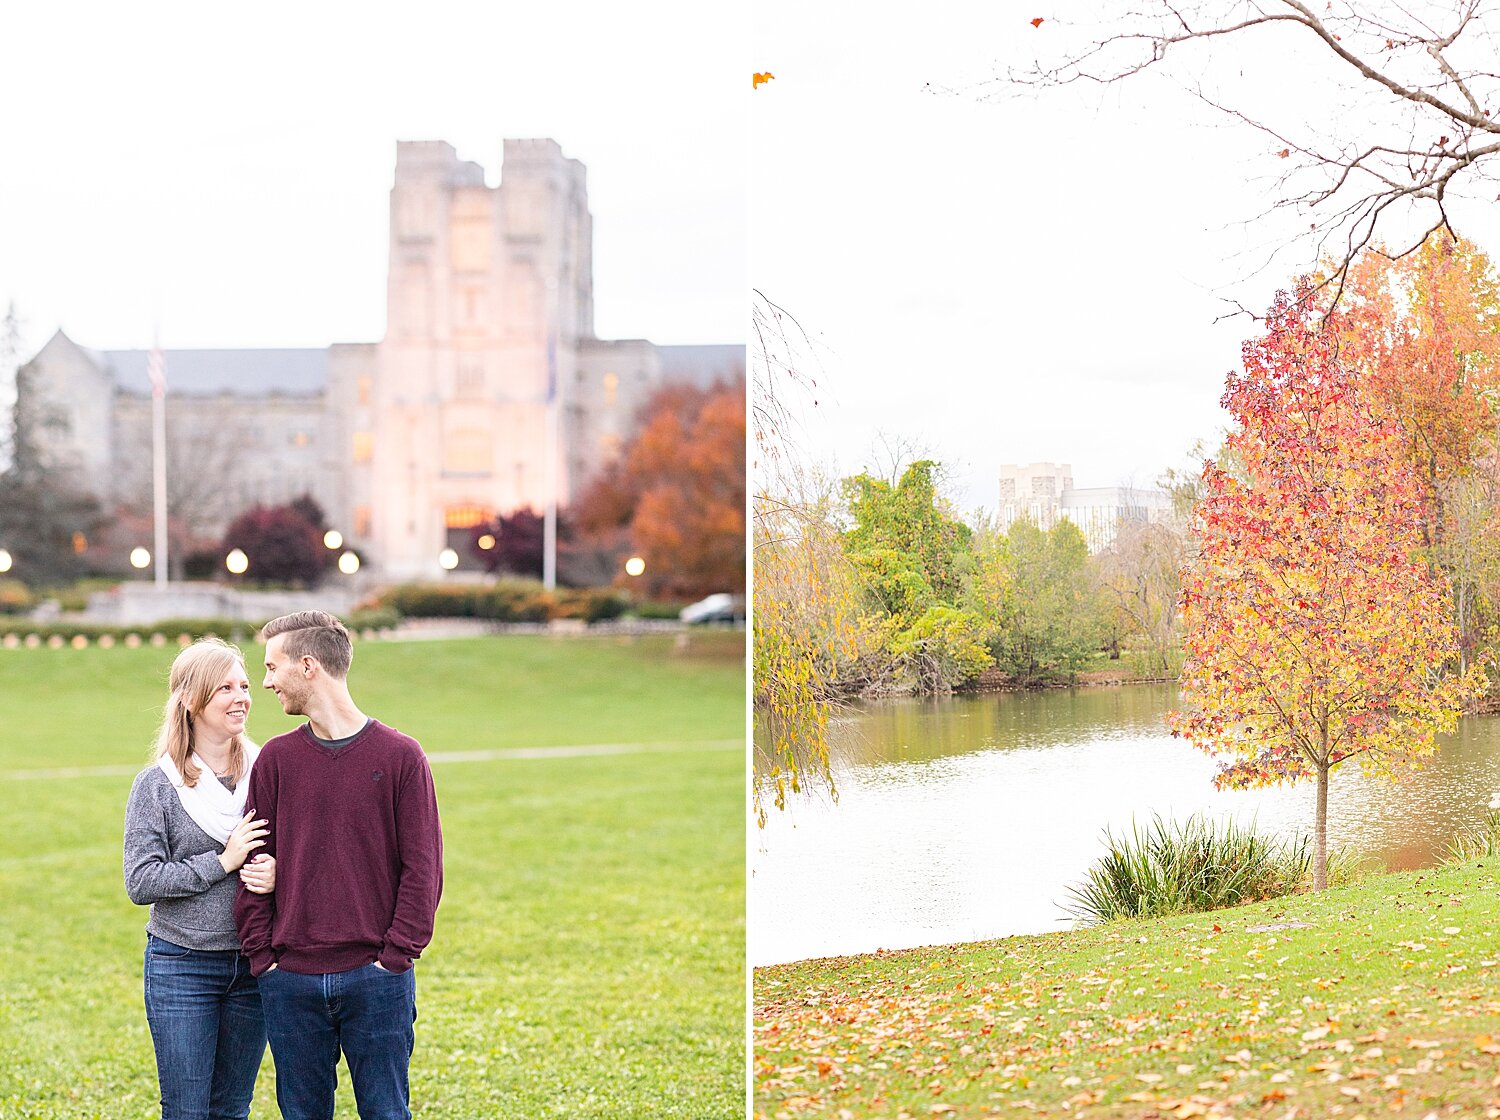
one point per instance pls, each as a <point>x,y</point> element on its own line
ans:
<point>359,854</point>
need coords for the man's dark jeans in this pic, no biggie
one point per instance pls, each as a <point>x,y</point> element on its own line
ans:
<point>205,1016</point>
<point>367,1013</point>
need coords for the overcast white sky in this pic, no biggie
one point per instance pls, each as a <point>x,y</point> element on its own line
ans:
<point>1033,280</point>
<point>223,170</point>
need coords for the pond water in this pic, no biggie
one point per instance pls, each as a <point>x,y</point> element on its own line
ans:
<point>968,818</point>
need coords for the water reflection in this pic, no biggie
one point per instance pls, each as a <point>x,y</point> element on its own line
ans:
<point>968,818</point>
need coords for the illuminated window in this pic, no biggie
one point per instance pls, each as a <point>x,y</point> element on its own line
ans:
<point>611,385</point>
<point>465,517</point>
<point>364,391</point>
<point>361,521</point>
<point>364,446</point>
<point>467,451</point>
<point>301,439</point>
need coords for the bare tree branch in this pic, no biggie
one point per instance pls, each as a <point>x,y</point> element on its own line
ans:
<point>1417,132</point>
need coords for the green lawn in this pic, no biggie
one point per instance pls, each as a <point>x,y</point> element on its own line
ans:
<point>589,956</point>
<point>1377,999</point>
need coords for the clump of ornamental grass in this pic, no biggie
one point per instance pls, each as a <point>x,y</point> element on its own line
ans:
<point>1478,841</point>
<point>1194,865</point>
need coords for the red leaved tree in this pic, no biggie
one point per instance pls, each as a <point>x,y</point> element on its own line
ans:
<point>282,545</point>
<point>511,542</point>
<point>1315,631</point>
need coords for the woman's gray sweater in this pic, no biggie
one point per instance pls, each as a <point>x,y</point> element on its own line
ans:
<point>174,865</point>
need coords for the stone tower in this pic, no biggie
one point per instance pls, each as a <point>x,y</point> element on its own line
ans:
<point>490,295</point>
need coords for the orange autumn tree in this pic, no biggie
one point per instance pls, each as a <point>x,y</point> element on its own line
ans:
<point>676,496</point>
<point>1315,631</point>
<point>1424,331</point>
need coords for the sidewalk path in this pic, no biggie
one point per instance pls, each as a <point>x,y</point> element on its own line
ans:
<point>501,754</point>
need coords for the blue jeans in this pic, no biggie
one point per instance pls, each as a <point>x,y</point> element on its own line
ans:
<point>203,1007</point>
<point>367,1013</point>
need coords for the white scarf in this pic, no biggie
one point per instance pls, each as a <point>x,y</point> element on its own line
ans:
<point>213,808</point>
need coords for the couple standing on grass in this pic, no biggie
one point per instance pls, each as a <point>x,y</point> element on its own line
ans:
<point>333,829</point>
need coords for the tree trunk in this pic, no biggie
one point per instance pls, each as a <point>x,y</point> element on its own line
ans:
<point>1320,834</point>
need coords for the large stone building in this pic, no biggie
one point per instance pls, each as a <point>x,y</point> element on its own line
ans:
<point>409,442</point>
<point>1044,494</point>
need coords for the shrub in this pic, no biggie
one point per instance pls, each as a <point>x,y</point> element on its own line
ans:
<point>202,564</point>
<point>432,600</point>
<point>508,600</point>
<point>373,618</point>
<point>1192,866</point>
<point>172,627</point>
<point>194,627</point>
<point>15,598</point>
<point>658,609</point>
<point>516,601</point>
<point>589,604</point>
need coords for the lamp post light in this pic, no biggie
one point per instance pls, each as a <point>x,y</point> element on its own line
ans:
<point>486,542</point>
<point>333,540</point>
<point>447,559</point>
<point>348,563</point>
<point>238,564</point>
<point>5,561</point>
<point>140,558</point>
<point>635,566</point>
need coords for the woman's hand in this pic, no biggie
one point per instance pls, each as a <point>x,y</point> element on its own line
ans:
<point>246,837</point>
<point>259,874</point>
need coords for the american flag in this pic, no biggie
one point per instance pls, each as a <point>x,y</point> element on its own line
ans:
<point>551,370</point>
<point>156,370</point>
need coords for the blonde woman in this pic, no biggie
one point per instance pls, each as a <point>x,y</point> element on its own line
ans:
<point>187,833</point>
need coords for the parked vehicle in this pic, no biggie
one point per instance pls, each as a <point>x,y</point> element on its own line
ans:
<point>721,607</point>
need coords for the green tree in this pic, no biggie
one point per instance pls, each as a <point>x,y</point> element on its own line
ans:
<point>46,517</point>
<point>1052,625</point>
<point>914,563</point>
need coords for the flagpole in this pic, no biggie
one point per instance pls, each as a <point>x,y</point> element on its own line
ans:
<point>549,518</point>
<point>156,368</point>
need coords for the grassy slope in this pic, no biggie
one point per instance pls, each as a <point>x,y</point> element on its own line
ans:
<point>589,950</point>
<point>1385,1005</point>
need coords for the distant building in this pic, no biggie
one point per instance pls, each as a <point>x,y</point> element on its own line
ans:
<point>409,442</point>
<point>1044,494</point>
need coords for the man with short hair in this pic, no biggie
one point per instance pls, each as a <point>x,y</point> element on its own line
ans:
<point>353,824</point>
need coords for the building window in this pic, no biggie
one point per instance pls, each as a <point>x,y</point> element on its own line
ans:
<point>470,379</point>
<point>301,439</point>
<point>467,451</point>
<point>363,388</point>
<point>362,522</point>
<point>611,387</point>
<point>364,446</point>
<point>465,517</point>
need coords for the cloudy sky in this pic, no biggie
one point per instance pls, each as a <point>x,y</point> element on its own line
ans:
<point>1006,279</point>
<point>222,172</point>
